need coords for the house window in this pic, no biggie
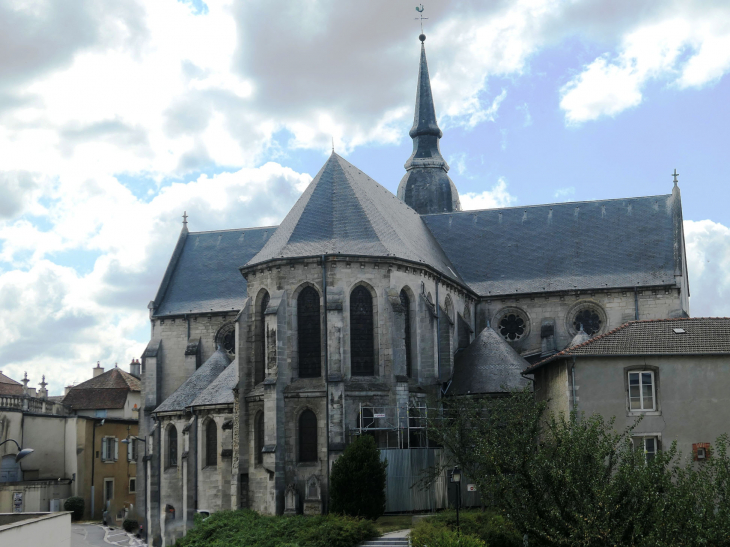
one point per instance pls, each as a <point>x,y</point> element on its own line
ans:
<point>108,492</point>
<point>132,485</point>
<point>406,303</point>
<point>310,338</point>
<point>308,436</point>
<point>109,449</point>
<point>259,363</point>
<point>642,395</point>
<point>362,348</point>
<point>211,444</point>
<point>132,450</point>
<point>172,446</point>
<point>701,452</point>
<point>649,445</point>
<point>259,438</point>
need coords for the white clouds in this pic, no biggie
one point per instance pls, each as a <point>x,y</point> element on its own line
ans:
<point>562,193</point>
<point>685,46</point>
<point>708,261</point>
<point>497,196</point>
<point>57,319</point>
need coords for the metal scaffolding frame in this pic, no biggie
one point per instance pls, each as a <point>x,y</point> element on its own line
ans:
<point>394,426</point>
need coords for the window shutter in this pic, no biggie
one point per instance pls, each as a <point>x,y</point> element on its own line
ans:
<point>104,451</point>
<point>130,452</point>
<point>116,449</point>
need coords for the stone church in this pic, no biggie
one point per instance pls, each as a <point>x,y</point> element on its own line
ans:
<point>271,346</point>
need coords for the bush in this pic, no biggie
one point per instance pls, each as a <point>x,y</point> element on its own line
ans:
<point>130,525</point>
<point>488,526</point>
<point>357,481</point>
<point>429,534</point>
<point>75,504</point>
<point>244,527</point>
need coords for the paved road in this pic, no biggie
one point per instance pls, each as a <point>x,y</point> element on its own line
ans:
<point>95,535</point>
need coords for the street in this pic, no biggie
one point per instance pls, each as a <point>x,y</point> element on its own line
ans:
<point>96,535</point>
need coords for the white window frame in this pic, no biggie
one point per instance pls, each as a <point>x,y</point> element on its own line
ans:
<point>107,481</point>
<point>132,450</point>
<point>641,398</point>
<point>109,444</point>
<point>132,480</point>
<point>643,438</point>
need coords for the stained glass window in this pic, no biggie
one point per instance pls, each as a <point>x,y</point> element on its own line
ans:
<point>259,437</point>
<point>261,327</point>
<point>308,436</point>
<point>512,326</point>
<point>211,444</point>
<point>406,303</point>
<point>362,349</point>
<point>310,338</point>
<point>589,319</point>
<point>172,446</point>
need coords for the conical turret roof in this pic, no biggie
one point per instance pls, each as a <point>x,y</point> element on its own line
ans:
<point>343,211</point>
<point>488,365</point>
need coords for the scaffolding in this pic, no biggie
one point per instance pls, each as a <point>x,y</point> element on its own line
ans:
<point>394,427</point>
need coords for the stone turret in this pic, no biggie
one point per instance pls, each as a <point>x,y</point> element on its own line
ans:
<point>426,187</point>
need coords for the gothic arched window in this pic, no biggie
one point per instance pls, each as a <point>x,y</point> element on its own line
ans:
<point>260,360</point>
<point>362,348</point>
<point>211,444</point>
<point>172,446</point>
<point>310,338</point>
<point>307,436</point>
<point>258,442</point>
<point>406,303</point>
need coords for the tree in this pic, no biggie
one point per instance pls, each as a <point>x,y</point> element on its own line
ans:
<point>357,480</point>
<point>575,480</point>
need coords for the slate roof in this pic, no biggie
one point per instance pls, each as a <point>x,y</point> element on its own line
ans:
<point>343,211</point>
<point>108,390</point>
<point>204,276</point>
<point>196,384</point>
<point>563,246</point>
<point>8,386</point>
<point>486,365</point>
<point>703,335</point>
<point>220,391</point>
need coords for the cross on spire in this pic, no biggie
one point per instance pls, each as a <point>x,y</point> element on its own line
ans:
<point>185,218</point>
<point>421,18</point>
<point>675,175</point>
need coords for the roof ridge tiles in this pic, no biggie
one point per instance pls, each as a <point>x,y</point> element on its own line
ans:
<point>233,230</point>
<point>535,205</point>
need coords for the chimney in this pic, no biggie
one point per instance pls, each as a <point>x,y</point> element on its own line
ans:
<point>66,390</point>
<point>31,392</point>
<point>135,368</point>
<point>98,369</point>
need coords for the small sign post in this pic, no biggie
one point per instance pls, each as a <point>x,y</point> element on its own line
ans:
<point>471,487</point>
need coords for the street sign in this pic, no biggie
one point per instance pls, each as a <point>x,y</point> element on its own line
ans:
<point>378,415</point>
<point>471,487</point>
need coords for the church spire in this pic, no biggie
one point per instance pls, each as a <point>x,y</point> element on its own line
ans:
<point>426,187</point>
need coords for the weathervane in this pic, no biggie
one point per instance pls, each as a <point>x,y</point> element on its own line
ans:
<point>419,9</point>
<point>675,175</point>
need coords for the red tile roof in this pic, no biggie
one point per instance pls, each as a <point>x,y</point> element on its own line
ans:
<point>8,386</point>
<point>108,390</point>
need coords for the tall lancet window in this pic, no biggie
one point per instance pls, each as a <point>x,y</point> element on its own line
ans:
<point>211,444</point>
<point>406,303</point>
<point>308,436</point>
<point>362,348</point>
<point>260,358</point>
<point>309,334</point>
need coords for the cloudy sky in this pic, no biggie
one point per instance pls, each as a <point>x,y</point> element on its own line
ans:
<point>116,116</point>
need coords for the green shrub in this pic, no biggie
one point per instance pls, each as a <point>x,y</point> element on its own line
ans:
<point>357,481</point>
<point>428,534</point>
<point>130,525</point>
<point>488,526</point>
<point>243,527</point>
<point>75,504</point>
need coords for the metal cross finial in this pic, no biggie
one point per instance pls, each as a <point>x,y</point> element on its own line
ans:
<point>185,218</point>
<point>420,9</point>
<point>675,175</point>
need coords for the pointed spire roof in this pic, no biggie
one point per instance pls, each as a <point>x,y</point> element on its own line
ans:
<point>343,211</point>
<point>426,187</point>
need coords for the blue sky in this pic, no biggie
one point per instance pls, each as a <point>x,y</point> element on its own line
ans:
<point>115,117</point>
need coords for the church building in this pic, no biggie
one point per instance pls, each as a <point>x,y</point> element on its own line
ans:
<point>271,347</point>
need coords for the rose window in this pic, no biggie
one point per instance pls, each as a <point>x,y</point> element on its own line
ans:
<point>589,320</point>
<point>512,326</point>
